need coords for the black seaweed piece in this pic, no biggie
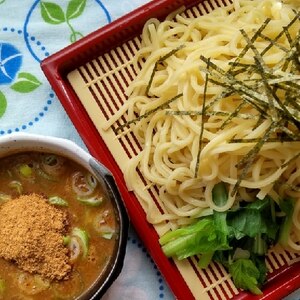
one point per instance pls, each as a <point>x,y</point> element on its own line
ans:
<point>202,123</point>
<point>148,113</point>
<point>161,59</point>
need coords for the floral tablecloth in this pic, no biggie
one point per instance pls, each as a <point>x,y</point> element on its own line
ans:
<point>31,30</point>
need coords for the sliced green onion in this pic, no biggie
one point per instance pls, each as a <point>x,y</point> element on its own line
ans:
<point>102,227</point>
<point>45,175</point>
<point>93,201</point>
<point>84,239</point>
<point>74,247</point>
<point>106,231</point>
<point>66,240</point>
<point>82,184</point>
<point>50,160</point>
<point>2,287</point>
<point>17,185</point>
<point>4,197</point>
<point>32,284</point>
<point>25,170</point>
<point>55,200</point>
<point>53,165</point>
<point>70,288</point>
<point>91,180</point>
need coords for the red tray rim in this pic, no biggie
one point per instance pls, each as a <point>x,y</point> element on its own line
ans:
<point>57,66</point>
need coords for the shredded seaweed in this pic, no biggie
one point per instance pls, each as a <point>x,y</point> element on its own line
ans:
<point>209,114</point>
<point>290,160</point>
<point>262,90</point>
<point>271,92</point>
<point>161,59</point>
<point>232,115</point>
<point>202,123</point>
<point>148,113</point>
<point>262,68</point>
<point>246,48</point>
<point>246,162</point>
<point>281,33</point>
<point>270,140</point>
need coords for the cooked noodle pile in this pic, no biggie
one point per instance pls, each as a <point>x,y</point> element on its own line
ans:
<point>196,130</point>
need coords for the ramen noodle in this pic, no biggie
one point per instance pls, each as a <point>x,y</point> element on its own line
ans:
<point>198,127</point>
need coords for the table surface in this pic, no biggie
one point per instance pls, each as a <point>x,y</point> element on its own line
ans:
<point>30,31</point>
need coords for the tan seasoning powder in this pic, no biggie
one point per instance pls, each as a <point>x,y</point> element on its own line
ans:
<point>31,235</point>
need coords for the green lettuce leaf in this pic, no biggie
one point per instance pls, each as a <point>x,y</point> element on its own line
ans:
<point>245,275</point>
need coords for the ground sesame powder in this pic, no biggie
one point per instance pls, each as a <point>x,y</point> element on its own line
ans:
<point>31,235</point>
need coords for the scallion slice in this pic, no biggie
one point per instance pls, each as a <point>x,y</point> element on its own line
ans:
<point>56,200</point>
<point>92,201</point>
<point>83,236</point>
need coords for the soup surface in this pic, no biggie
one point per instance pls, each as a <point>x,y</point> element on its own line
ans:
<point>88,237</point>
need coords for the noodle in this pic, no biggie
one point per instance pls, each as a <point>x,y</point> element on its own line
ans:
<point>170,139</point>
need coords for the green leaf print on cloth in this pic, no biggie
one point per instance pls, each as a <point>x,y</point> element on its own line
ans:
<point>25,83</point>
<point>53,14</point>
<point>11,76</point>
<point>75,9</point>
<point>3,104</point>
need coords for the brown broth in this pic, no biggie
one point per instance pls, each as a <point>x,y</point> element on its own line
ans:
<point>85,270</point>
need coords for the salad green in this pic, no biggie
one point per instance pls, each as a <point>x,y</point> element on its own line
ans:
<point>238,238</point>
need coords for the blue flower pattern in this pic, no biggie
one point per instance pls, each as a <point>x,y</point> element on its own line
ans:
<point>10,62</point>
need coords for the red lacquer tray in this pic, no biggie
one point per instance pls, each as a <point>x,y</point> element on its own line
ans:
<point>86,59</point>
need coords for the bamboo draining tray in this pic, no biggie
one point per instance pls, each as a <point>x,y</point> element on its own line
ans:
<point>90,78</point>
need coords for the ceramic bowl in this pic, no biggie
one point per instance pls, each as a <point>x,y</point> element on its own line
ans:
<point>21,142</point>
